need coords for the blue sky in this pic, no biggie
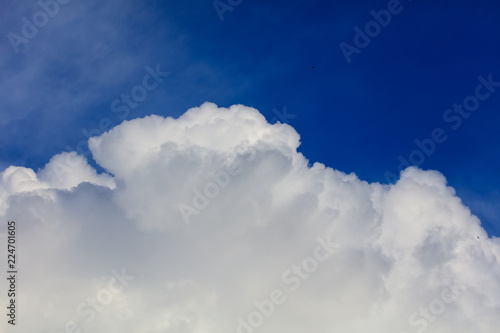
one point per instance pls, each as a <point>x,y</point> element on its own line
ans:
<point>356,117</point>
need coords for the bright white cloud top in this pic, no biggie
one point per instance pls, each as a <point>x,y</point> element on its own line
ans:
<point>213,222</point>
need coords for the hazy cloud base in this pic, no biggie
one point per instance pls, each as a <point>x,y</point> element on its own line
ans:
<point>204,220</point>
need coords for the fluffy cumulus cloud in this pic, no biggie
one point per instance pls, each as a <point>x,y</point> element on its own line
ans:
<point>213,222</point>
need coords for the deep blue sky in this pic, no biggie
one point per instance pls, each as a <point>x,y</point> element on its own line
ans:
<point>356,117</point>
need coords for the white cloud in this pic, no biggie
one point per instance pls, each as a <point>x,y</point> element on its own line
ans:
<point>402,248</point>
